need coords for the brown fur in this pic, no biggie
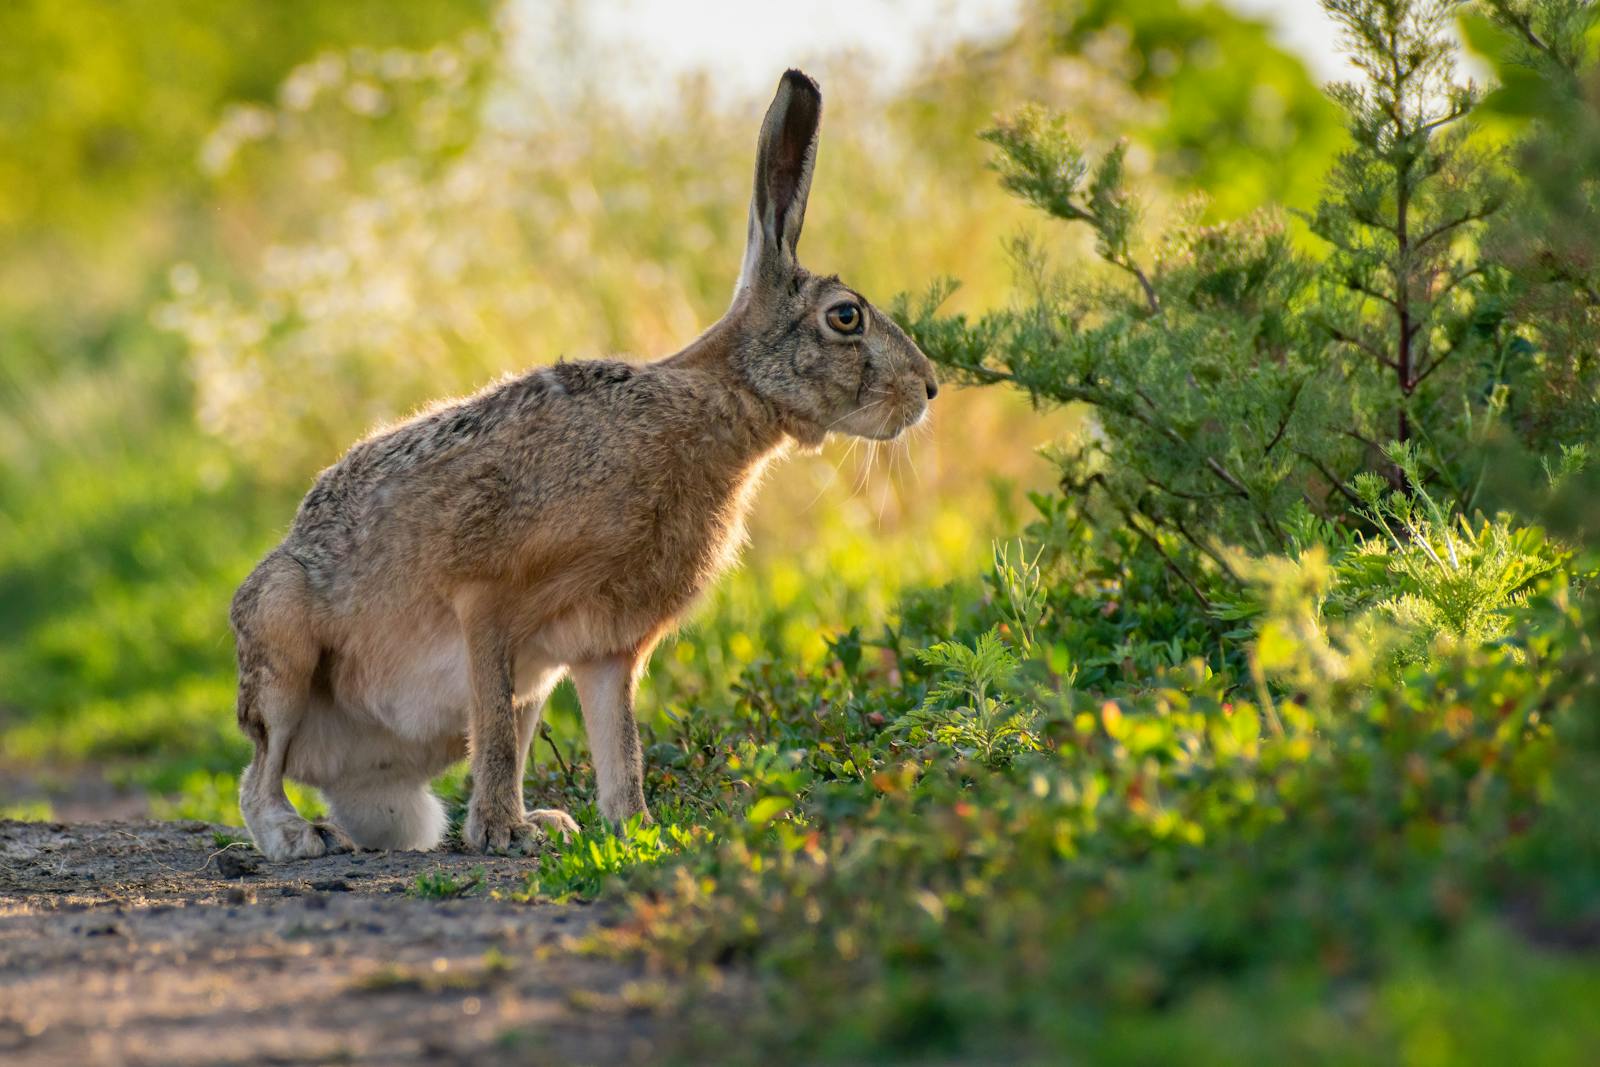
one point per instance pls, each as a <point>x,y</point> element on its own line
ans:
<point>441,577</point>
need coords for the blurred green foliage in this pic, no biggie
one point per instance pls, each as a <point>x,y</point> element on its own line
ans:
<point>1220,114</point>
<point>120,523</point>
<point>103,108</point>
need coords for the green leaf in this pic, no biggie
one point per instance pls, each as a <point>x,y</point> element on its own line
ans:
<point>1246,723</point>
<point>1522,94</point>
<point>1488,40</point>
<point>766,809</point>
<point>1275,648</point>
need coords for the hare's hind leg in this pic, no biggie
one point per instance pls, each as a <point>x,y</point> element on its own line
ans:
<point>605,689</point>
<point>277,657</point>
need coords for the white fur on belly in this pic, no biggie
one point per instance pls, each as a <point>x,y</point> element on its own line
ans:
<point>418,684</point>
<point>415,684</point>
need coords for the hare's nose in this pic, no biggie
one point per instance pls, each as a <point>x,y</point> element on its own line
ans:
<point>933,388</point>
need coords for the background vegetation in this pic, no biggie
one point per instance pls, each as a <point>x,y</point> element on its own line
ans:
<point>1253,716</point>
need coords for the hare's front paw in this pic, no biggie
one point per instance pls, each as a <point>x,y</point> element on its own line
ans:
<point>484,832</point>
<point>490,831</point>
<point>301,840</point>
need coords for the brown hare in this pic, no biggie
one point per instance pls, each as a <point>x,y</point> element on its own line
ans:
<point>443,576</point>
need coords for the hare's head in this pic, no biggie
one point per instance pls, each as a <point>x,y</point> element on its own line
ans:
<point>811,345</point>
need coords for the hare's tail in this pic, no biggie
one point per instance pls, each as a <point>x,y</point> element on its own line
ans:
<point>391,815</point>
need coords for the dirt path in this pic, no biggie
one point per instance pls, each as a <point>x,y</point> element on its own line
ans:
<point>140,943</point>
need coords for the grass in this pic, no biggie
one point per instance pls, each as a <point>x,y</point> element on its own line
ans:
<point>440,884</point>
<point>28,811</point>
<point>582,866</point>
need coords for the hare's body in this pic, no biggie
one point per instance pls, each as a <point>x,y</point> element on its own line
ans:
<point>583,506</point>
<point>445,574</point>
<point>595,499</point>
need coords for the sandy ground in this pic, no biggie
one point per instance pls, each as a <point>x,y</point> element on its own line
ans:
<point>146,943</point>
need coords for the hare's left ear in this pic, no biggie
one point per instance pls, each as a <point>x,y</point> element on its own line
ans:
<point>784,159</point>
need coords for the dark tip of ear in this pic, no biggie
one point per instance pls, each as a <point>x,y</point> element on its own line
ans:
<point>800,80</point>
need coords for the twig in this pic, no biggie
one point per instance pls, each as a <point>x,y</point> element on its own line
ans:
<point>1455,280</point>
<point>1369,442</point>
<point>1446,119</point>
<point>1176,438</point>
<point>1196,497</point>
<point>1356,342</point>
<point>1367,290</point>
<point>1155,543</point>
<point>1445,227</point>
<point>1216,557</point>
<point>1329,475</point>
<point>1144,283</point>
<point>544,732</point>
<point>1288,413</point>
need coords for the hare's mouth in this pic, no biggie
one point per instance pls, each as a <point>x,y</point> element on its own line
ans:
<point>891,412</point>
<point>891,425</point>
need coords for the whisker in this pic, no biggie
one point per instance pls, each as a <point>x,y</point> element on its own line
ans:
<point>851,449</point>
<point>863,479</point>
<point>860,479</point>
<point>886,486</point>
<point>852,411</point>
<point>836,471</point>
<point>922,429</point>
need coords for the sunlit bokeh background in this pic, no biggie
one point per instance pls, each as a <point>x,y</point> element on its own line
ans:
<point>234,239</point>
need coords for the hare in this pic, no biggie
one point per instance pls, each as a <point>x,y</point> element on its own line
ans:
<point>445,574</point>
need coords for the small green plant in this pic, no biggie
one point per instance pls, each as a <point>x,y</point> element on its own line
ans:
<point>580,867</point>
<point>968,709</point>
<point>228,839</point>
<point>441,884</point>
<point>1447,577</point>
<point>980,705</point>
<point>1021,583</point>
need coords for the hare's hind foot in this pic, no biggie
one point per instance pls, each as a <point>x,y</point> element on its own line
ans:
<point>514,836</point>
<point>554,820</point>
<point>279,831</point>
<point>293,838</point>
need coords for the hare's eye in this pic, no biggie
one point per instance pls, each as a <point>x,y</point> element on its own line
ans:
<point>846,318</point>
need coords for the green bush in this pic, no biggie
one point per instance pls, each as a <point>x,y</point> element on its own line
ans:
<point>1234,376</point>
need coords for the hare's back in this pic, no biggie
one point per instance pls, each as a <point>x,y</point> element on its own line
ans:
<point>517,442</point>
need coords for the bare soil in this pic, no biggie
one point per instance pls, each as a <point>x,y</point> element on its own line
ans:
<point>150,943</point>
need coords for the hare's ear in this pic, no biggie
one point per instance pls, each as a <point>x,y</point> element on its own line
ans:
<point>784,159</point>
